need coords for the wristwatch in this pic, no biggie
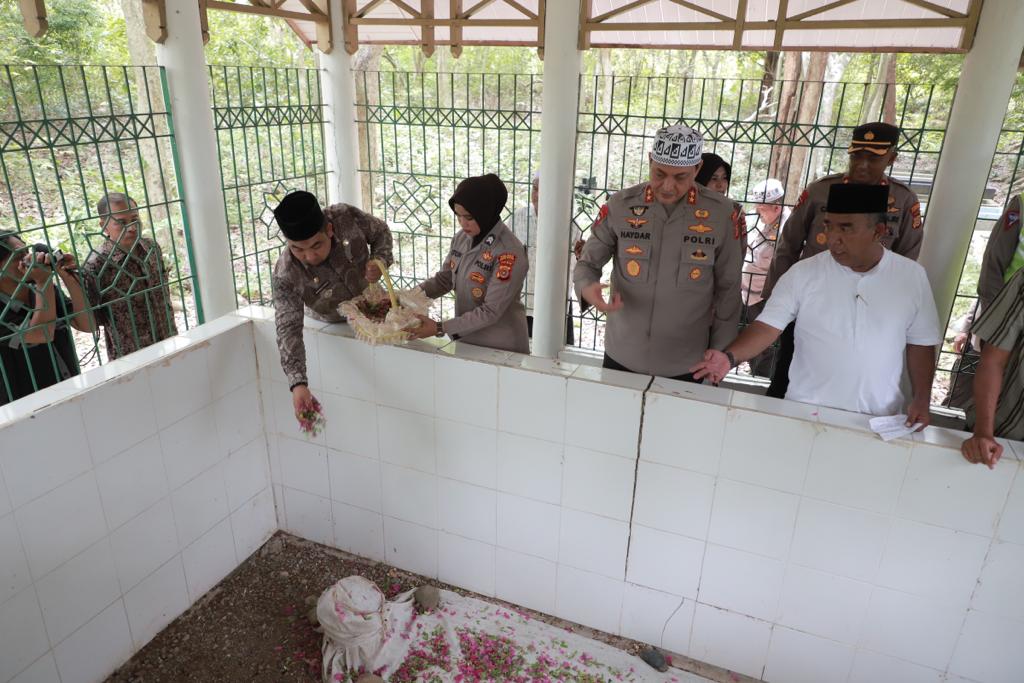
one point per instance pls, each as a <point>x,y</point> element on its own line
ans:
<point>732,359</point>
<point>440,329</point>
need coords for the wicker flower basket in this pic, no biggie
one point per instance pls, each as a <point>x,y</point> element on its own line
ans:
<point>385,316</point>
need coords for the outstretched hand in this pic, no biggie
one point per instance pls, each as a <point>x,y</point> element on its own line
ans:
<point>715,366</point>
<point>918,413</point>
<point>427,328</point>
<point>593,295</point>
<point>302,400</point>
<point>982,449</point>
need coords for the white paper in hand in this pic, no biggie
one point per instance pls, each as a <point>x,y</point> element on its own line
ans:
<point>892,426</point>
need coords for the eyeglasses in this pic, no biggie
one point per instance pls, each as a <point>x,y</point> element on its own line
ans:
<point>135,222</point>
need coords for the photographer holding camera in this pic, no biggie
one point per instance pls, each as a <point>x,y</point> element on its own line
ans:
<point>36,345</point>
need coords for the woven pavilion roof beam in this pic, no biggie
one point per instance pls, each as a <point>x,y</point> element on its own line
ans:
<point>317,12</point>
<point>369,7</point>
<point>455,8</point>
<point>817,10</point>
<point>421,24</point>
<point>702,10</point>
<point>257,9</point>
<point>482,4</point>
<point>427,34</point>
<point>799,26</point>
<point>420,21</point>
<point>523,10</point>
<point>771,25</point>
<point>741,20</point>
<point>783,10</point>
<point>938,9</point>
<point>973,14</point>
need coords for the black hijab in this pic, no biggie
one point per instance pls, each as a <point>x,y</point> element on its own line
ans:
<point>484,198</point>
<point>711,163</point>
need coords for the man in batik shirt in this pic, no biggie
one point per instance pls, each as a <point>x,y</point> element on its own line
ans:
<point>126,281</point>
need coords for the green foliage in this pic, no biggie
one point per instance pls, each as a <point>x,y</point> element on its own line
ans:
<point>242,39</point>
<point>928,68</point>
<point>80,32</point>
<point>521,60</point>
<point>94,32</point>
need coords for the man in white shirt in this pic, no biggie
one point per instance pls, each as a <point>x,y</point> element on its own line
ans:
<point>524,226</point>
<point>859,309</point>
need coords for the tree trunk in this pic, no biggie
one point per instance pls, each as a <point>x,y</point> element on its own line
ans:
<point>146,90</point>
<point>785,115</point>
<point>367,59</point>
<point>888,76</point>
<point>605,65</point>
<point>837,64</point>
<point>766,96</point>
<point>873,92</point>
<point>807,115</point>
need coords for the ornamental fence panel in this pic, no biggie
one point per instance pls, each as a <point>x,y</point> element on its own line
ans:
<point>70,134</point>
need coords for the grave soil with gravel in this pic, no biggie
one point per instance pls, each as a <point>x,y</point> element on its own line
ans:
<point>253,625</point>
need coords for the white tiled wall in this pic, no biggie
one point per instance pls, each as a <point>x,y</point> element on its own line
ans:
<point>121,504</point>
<point>774,539</point>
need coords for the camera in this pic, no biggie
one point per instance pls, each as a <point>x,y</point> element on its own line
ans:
<point>56,255</point>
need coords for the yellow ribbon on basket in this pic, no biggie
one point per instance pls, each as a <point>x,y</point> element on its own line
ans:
<point>387,280</point>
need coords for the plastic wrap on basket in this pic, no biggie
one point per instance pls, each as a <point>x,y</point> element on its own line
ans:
<point>380,316</point>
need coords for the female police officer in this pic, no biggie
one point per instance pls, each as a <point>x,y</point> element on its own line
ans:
<point>486,266</point>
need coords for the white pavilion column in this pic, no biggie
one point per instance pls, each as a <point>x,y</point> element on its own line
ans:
<point>557,160</point>
<point>184,61</point>
<point>341,142</point>
<point>982,96</point>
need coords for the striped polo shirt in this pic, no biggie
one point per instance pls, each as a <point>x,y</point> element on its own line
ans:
<point>1002,325</point>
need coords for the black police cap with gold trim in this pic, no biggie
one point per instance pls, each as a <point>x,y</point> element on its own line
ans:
<point>878,138</point>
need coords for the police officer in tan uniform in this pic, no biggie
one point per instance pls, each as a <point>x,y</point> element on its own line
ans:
<point>872,150</point>
<point>486,266</point>
<point>677,249</point>
<point>1004,256</point>
<point>326,262</point>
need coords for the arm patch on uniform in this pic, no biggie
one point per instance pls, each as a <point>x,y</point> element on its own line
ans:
<point>739,224</point>
<point>601,216</point>
<point>505,263</point>
<point>802,199</point>
<point>1012,220</point>
<point>915,211</point>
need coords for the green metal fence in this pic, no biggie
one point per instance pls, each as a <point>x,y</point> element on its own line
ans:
<point>421,133</point>
<point>68,136</point>
<point>270,137</point>
<point>620,114</point>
